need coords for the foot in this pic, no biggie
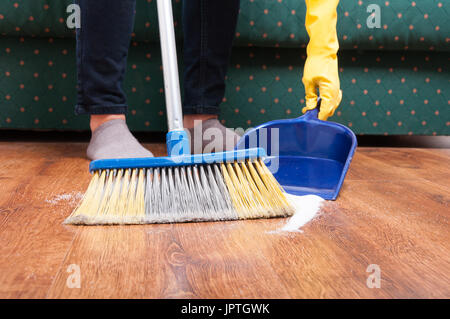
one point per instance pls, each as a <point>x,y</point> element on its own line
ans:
<point>210,136</point>
<point>190,120</point>
<point>99,119</point>
<point>113,139</point>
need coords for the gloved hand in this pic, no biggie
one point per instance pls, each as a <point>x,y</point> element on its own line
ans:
<point>321,67</point>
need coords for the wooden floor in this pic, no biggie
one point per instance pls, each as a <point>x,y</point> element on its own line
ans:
<point>393,211</point>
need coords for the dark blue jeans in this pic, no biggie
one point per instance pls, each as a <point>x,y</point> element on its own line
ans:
<point>104,39</point>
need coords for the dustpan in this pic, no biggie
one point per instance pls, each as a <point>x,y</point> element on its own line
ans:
<point>307,156</point>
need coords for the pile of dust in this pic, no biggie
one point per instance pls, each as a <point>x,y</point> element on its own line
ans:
<point>306,208</point>
<point>69,198</point>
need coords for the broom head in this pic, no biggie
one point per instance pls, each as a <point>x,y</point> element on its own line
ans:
<point>202,187</point>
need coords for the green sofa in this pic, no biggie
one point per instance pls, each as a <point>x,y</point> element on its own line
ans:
<point>395,78</point>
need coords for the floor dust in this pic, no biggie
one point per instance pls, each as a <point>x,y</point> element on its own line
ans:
<point>306,208</point>
<point>68,198</point>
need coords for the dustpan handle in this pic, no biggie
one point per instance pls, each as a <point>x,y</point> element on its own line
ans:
<point>176,139</point>
<point>314,113</point>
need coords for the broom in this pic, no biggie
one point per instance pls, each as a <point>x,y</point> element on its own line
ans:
<point>180,187</point>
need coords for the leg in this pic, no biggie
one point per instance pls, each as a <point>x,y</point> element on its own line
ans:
<point>209,27</point>
<point>102,49</point>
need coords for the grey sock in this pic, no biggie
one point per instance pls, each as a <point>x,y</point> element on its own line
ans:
<point>113,139</point>
<point>211,136</point>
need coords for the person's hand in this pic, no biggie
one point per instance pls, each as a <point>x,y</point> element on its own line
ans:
<point>321,73</point>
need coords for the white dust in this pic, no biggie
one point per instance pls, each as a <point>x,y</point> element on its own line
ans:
<point>68,198</point>
<point>306,208</point>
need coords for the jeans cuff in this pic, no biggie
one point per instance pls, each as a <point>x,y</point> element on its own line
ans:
<point>201,109</point>
<point>100,109</point>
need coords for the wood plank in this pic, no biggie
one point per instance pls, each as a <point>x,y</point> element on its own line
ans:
<point>115,262</point>
<point>226,259</point>
<point>401,164</point>
<point>195,260</point>
<point>407,223</point>
<point>405,232</point>
<point>34,241</point>
<point>392,211</point>
<point>322,262</point>
<point>42,183</point>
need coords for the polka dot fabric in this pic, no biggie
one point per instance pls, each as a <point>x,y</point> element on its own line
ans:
<point>384,92</point>
<point>38,85</point>
<point>44,18</point>
<point>395,79</point>
<point>405,24</point>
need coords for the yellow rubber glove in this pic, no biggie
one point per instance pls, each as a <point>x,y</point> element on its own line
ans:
<point>321,67</point>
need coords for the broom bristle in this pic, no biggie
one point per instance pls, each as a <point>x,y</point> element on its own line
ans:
<point>207,192</point>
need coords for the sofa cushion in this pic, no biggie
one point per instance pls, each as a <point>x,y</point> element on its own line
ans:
<point>405,24</point>
<point>392,92</point>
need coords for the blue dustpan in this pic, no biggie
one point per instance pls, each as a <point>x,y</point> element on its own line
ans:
<point>306,155</point>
